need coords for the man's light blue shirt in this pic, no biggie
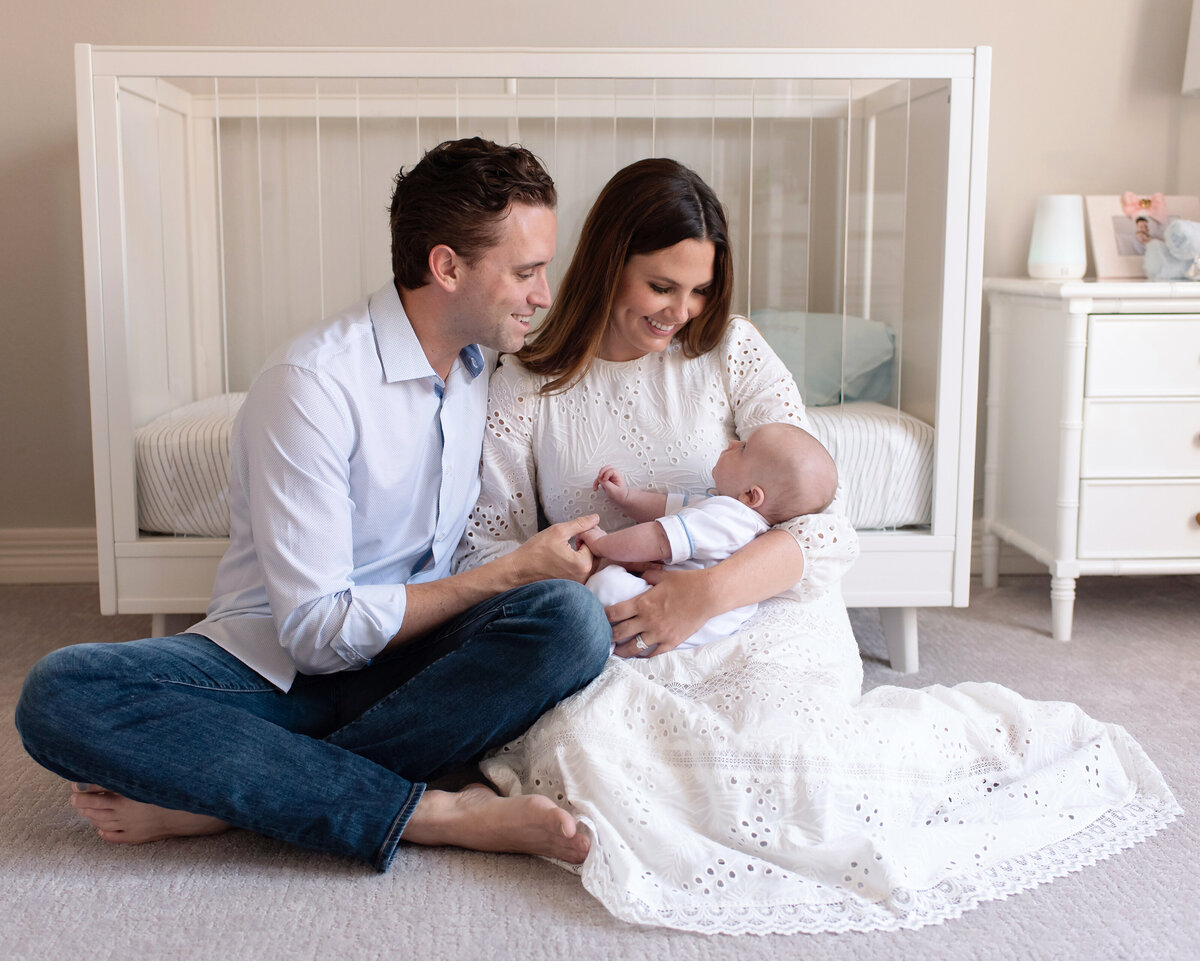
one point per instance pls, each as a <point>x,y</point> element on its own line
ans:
<point>354,468</point>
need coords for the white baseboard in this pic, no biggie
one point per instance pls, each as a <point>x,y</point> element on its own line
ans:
<point>48,555</point>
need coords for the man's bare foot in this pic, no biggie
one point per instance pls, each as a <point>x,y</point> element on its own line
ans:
<point>480,819</point>
<point>122,821</point>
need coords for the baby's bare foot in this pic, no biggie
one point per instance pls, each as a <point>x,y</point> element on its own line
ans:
<point>121,821</point>
<point>481,820</point>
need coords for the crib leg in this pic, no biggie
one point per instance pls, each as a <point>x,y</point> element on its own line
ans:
<point>900,632</point>
<point>991,560</point>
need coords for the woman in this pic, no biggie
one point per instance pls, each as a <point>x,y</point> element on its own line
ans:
<point>744,785</point>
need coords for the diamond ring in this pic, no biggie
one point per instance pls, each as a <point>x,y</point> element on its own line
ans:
<point>639,643</point>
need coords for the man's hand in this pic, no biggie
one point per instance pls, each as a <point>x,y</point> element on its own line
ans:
<point>675,608</point>
<point>550,553</point>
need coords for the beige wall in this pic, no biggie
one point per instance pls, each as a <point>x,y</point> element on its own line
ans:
<point>1084,100</point>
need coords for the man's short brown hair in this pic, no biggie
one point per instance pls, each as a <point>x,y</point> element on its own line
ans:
<point>456,195</point>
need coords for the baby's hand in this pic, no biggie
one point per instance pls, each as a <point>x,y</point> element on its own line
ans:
<point>591,538</point>
<point>613,484</point>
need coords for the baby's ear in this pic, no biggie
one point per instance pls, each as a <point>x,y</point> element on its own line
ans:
<point>753,498</point>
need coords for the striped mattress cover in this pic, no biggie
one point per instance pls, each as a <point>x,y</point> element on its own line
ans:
<point>183,468</point>
<point>884,459</point>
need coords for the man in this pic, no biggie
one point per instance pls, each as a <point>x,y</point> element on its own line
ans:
<point>340,667</point>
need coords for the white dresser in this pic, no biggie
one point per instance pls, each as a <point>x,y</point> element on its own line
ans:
<point>1093,430</point>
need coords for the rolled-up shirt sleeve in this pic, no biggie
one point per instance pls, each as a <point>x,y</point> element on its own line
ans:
<point>301,509</point>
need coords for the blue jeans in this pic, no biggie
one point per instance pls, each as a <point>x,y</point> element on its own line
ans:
<point>339,762</point>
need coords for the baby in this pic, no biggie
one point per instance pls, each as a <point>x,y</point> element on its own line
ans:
<point>779,473</point>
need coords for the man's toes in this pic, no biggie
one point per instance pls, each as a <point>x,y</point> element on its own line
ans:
<point>82,787</point>
<point>91,802</point>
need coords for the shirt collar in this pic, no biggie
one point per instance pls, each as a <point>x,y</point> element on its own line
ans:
<point>400,351</point>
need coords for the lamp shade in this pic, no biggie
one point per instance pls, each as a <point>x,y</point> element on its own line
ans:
<point>1191,68</point>
<point>1058,247</point>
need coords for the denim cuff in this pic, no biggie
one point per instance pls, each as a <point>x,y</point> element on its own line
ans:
<point>391,843</point>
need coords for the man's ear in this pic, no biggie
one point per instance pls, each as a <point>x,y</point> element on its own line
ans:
<point>445,267</point>
<point>753,498</point>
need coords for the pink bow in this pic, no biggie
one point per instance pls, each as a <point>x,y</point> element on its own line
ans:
<point>1153,206</point>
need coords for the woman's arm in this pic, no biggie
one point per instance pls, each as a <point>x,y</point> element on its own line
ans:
<point>805,556</point>
<point>680,602</point>
<point>762,391</point>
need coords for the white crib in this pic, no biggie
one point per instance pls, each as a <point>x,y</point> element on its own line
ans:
<point>234,196</point>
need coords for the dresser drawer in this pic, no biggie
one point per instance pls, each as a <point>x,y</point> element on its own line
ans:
<point>1143,519</point>
<point>1143,355</point>
<point>1141,438</point>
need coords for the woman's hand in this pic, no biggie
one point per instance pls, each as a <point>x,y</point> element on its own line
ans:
<point>679,602</point>
<point>676,607</point>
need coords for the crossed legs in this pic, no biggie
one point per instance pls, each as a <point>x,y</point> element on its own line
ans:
<point>474,817</point>
<point>173,736</point>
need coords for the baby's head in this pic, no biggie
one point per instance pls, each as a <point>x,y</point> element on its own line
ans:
<point>781,471</point>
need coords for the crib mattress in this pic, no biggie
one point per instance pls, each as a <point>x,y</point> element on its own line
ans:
<point>884,459</point>
<point>183,468</point>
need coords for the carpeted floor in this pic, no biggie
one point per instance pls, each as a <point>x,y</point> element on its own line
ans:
<point>66,895</point>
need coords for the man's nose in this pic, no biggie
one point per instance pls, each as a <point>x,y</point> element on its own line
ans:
<point>540,296</point>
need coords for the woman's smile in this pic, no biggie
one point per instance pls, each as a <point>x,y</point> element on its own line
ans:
<point>657,293</point>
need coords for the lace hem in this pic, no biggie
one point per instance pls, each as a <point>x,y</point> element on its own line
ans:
<point>1113,832</point>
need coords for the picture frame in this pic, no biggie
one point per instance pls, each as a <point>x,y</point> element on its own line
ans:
<point>1118,238</point>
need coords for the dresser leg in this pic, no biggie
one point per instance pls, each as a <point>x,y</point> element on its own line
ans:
<point>991,560</point>
<point>1062,606</point>
<point>900,631</point>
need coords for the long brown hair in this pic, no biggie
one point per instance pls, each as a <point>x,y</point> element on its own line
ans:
<point>649,205</point>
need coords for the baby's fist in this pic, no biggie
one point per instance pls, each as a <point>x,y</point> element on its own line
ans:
<point>590,537</point>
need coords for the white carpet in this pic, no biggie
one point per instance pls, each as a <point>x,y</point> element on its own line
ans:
<point>66,895</point>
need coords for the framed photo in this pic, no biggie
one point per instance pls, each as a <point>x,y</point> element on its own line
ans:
<point>1120,228</point>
